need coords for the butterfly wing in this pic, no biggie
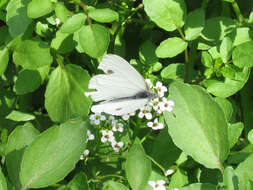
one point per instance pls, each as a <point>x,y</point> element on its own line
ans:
<point>120,80</point>
<point>121,107</point>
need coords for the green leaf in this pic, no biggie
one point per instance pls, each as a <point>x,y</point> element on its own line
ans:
<point>138,167</point>
<point>173,71</point>
<point>20,116</point>
<point>16,17</point>
<point>4,59</point>
<point>53,154</point>
<point>243,55</point>
<point>103,15</point>
<point>171,47</point>
<point>3,184</point>
<point>216,28</point>
<point>234,132</point>
<point>61,12</point>
<point>78,42</point>
<point>164,151</point>
<point>226,107</point>
<point>112,185</point>
<point>4,35</point>
<point>38,8</point>
<point>190,123</point>
<point>27,81</point>
<point>230,180</point>
<point>199,186</point>
<point>78,182</point>
<point>195,22</point>
<point>226,49</point>
<point>64,95</point>
<point>178,179</point>
<point>229,86</point>
<point>94,40</point>
<point>207,59</point>
<point>147,53</point>
<point>74,23</point>
<point>241,35</point>
<point>19,138</point>
<point>7,102</point>
<point>27,52</point>
<point>63,42</point>
<point>244,172</point>
<point>167,14</point>
<point>3,3</point>
<point>250,136</point>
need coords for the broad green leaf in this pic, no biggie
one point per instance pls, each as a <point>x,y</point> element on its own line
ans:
<point>243,55</point>
<point>229,86</point>
<point>4,59</point>
<point>173,71</point>
<point>78,182</point>
<point>38,8</point>
<point>3,183</point>
<point>16,17</point>
<point>105,15</point>
<point>178,179</point>
<point>226,49</point>
<point>206,59</point>
<point>244,172</point>
<point>32,54</point>
<point>241,35</point>
<point>138,167</point>
<point>147,53</point>
<point>53,154</point>
<point>112,185</point>
<point>250,136</point>
<point>226,107</point>
<point>27,81</point>
<point>20,137</point>
<point>199,186</point>
<point>190,123</point>
<point>171,47</point>
<point>64,95</point>
<point>63,42</point>
<point>167,14</point>
<point>3,3</point>
<point>7,102</point>
<point>20,116</point>
<point>164,151</point>
<point>42,29</point>
<point>61,12</point>
<point>94,40</point>
<point>230,180</point>
<point>194,24</point>
<point>216,28</point>
<point>74,23</point>
<point>234,132</point>
<point>78,42</point>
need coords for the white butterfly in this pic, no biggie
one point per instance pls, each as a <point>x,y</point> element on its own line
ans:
<point>122,88</point>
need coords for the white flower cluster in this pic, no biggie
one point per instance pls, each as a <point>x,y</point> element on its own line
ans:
<point>159,104</point>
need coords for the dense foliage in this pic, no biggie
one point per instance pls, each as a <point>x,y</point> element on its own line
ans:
<point>199,53</point>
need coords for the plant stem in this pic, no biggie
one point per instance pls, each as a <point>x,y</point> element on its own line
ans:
<point>84,6</point>
<point>237,11</point>
<point>156,163</point>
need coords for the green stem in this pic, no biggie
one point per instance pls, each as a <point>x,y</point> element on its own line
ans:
<point>237,11</point>
<point>59,61</point>
<point>146,136</point>
<point>156,163</point>
<point>84,6</point>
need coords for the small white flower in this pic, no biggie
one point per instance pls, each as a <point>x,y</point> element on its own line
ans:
<point>57,21</point>
<point>85,154</point>
<point>166,105</point>
<point>107,136</point>
<point>145,111</point>
<point>160,89</point>
<point>149,83</point>
<point>127,116</point>
<point>155,125</point>
<point>169,172</point>
<point>90,136</point>
<point>117,126</point>
<point>155,104</point>
<point>117,145</point>
<point>157,185</point>
<point>96,118</point>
